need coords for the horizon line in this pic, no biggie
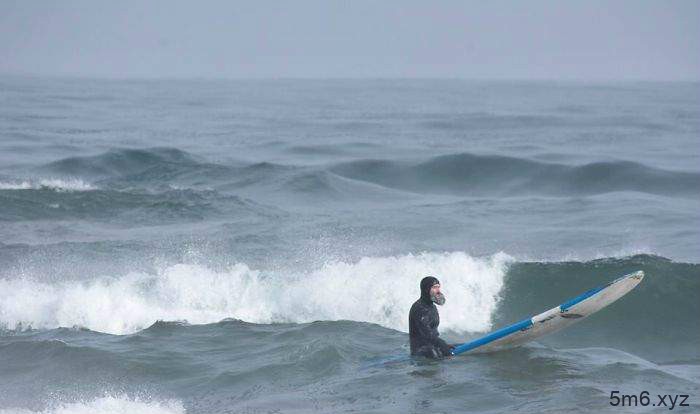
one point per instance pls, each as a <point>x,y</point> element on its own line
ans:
<point>344,78</point>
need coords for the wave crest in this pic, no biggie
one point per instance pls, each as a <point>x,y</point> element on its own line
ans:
<point>119,162</point>
<point>375,289</point>
<point>55,184</point>
<point>482,175</point>
<point>109,405</point>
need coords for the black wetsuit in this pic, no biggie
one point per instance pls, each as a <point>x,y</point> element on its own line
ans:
<point>423,321</point>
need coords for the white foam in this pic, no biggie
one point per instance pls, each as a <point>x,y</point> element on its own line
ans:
<point>109,405</point>
<point>15,185</point>
<point>71,184</point>
<point>374,289</point>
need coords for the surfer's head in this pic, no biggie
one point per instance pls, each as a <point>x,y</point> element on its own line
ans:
<point>430,290</point>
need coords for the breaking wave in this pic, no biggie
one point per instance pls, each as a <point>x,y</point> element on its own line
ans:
<point>374,289</point>
<point>56,184</point>
<point>109,405</point>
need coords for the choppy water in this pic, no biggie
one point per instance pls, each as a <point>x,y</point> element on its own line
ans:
<point>254,246</point>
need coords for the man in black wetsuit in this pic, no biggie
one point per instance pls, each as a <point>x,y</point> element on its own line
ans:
<point>423,321</point>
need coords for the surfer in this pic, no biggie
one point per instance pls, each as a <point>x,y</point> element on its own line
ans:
<point>423,321</point>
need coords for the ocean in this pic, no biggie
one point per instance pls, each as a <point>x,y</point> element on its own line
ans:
<point>254,246</point>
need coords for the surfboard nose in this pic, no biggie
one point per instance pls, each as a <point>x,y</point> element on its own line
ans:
<point>639,274</point>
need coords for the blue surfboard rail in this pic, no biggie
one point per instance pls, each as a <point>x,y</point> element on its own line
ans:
<point>566,305</point>
<point>524,324</point>
<point>527,323</point>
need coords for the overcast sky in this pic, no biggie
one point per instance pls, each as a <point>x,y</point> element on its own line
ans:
<point>588,40</point>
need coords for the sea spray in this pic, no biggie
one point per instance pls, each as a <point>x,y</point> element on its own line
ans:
<point>374,289</point>
<point>108,404</point>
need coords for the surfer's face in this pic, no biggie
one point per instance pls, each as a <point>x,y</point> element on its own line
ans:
<point>437,296</point>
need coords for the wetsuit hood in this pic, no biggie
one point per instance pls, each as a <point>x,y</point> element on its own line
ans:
<point>425,286</point>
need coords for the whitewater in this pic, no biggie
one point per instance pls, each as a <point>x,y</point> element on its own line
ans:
<point>197,294</point>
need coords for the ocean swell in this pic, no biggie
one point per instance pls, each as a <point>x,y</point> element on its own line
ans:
<point>490,175</point>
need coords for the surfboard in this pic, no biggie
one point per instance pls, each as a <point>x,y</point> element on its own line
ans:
<point>554,319</point>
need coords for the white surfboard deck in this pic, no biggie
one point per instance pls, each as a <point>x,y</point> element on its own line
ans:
<point>554,319</point>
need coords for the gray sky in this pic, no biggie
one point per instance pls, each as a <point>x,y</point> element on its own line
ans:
<point>589,40</point>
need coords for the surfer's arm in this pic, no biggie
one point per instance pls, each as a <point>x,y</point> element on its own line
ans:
<point>432,336</point>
